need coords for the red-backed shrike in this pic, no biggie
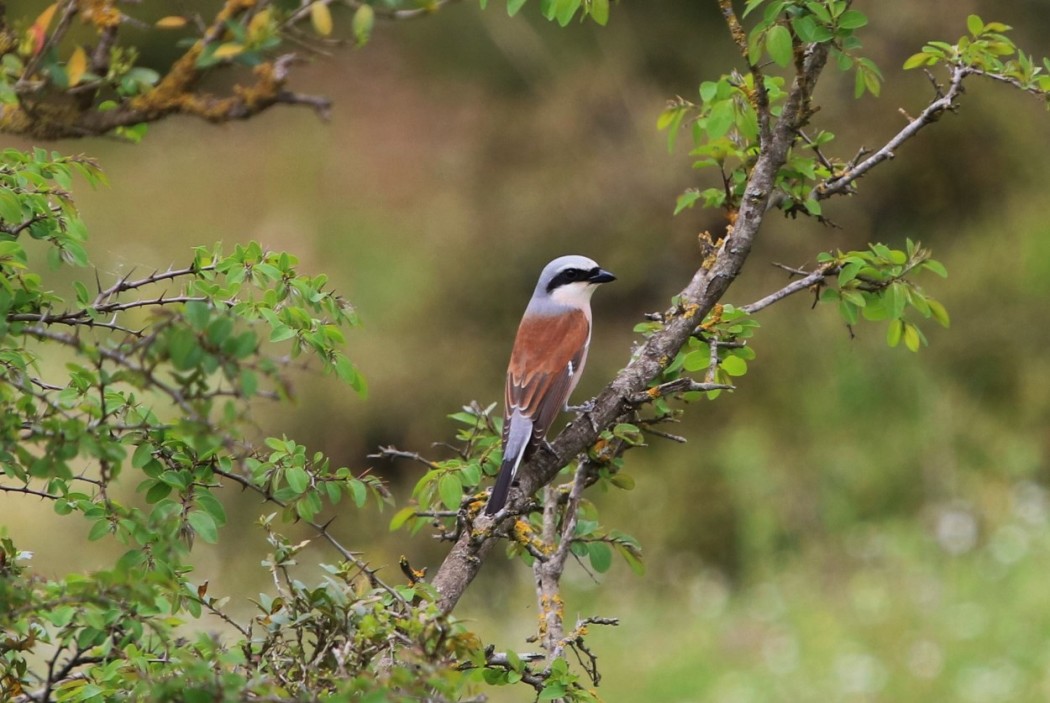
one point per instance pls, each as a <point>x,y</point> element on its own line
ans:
<point>546,362</point>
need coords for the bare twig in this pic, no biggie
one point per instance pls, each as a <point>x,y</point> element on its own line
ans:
<point>678,385</point>
<point>807,281</point>
<point>322,529</point>
<point>943,103</point>
<point>395,453</point>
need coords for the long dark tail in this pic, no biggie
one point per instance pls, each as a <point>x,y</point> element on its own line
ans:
<point>499,492</point>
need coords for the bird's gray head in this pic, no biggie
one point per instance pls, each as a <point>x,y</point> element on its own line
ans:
<point>570,280</point>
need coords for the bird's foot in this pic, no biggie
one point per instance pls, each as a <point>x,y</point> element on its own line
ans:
<point>580,409</point>
<point>584,409</point>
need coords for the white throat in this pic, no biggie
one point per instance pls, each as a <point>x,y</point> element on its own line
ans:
<point>574,295</point>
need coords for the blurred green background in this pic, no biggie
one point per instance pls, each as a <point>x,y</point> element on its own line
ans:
<point>854,523</point>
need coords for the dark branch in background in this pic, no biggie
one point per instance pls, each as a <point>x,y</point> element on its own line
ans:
<point>43,113</point>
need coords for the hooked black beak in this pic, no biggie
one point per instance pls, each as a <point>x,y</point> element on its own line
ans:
<point>601,276</point>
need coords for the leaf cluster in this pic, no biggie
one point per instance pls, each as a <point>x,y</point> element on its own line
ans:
<point>875,285</point>
<point>730,123</point>
<point>128,407</point>
<point>989,51</point>
<point>563,11</point>
<point>788,25</point>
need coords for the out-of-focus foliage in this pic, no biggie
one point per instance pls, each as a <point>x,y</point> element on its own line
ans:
<point>71,71</point>
<point>989,52</point>
<point>838,482</point>
<point>155,394</point>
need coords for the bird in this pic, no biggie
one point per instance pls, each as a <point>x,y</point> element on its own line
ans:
<point>548,356</point>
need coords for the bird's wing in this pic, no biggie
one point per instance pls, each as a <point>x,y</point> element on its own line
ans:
<point>548,357</point>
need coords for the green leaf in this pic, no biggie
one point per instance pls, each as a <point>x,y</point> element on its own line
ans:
<point>281,332</point>
<point>778,44</point>
<point>632,558</point>
<point>184,350</point>
<point>686,200</point>
<point>894,332</point>
<point>895,299</point>
<point>551,691</point>
<point>936,267</point>
<point>697,360</point>
<point>204,525</point>
<point>919,60</point>
<point>565,10</point>
<point>720,119</point>
<point>451,490</point>
<point>975,25</point>
<point>855,297</point>
<point>912,339</point>
<point>348,373</point>
<point>157,492</point>
<point>671,120</point>
<point>600,11</point>
<point>10,207</point>
<point>142,456</point>
<point>401,517</point>
<point>852,19</point>
<point>211,505</point>
<point>600,556</point>
<point>848,311</point>
<point>100,528</point>
<point>364,19</point>
<point>297,478</point>
<point>358,492</point>
<point>83,297</point>
<point>751,5</point>
<point>197,314</point>
<point>513,6</point>
<point>734,366</point>
<point>938,312</point>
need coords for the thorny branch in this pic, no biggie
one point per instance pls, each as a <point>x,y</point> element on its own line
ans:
<point>322,529</point>
<point>699,296</point>
<point>708,284</point>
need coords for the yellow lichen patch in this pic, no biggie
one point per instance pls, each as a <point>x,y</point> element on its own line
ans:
<point>713,319</point>
<point>263,91</point>
<point>7,42</point>
<point>14,120</point>
<point>690,309</point>
<point>708,249</point>
<point>552,604</point>
<point>524,535</point>
<point>522,531</point>
<point>101,14</point>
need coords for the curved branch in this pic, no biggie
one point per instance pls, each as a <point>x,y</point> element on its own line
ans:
<point>699,296</point>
